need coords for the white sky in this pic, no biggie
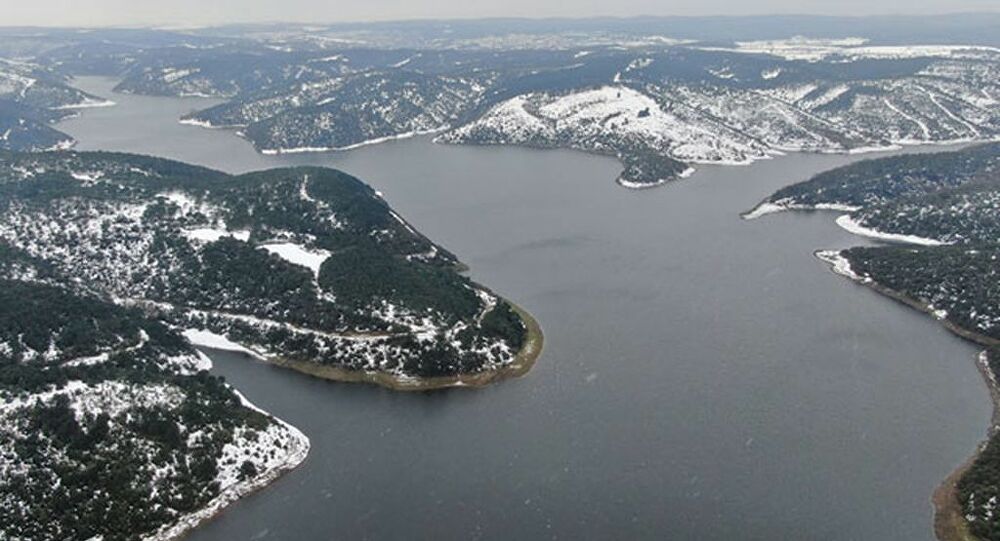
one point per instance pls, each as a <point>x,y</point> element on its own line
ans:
<point>200,12</point>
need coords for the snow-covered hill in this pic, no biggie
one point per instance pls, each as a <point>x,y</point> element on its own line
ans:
<point>111,265</point>
<point>31,98</point>
<point>300,265</point>
<point>106,413</point>
<point>659,109</point>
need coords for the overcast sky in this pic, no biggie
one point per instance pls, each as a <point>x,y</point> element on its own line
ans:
<point>200,12</point>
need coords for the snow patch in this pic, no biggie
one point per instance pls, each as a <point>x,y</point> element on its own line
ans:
<point>88,104</point>
<point>848,223</point>
<point>196,122</point>
<point>840,265</point>
<point>769,207</point>
<point>210,234</point>
<point>375,141</point>
<point>209,339</point>
<point>294,253</point>
<point>852,48</point>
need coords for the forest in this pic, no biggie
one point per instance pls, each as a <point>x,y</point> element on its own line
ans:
<point>108,405</point>
<point>196,246</point>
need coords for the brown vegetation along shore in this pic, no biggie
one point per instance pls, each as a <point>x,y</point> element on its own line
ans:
<point>949,522</point>
<point>523,362</point>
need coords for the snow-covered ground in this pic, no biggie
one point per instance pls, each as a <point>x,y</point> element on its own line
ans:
<point>781,206</point>
<point>613,117</point>
<point>88,103</point>
<point>848,222</point>
<point>840,265</point>
<point>855,48</point>
<point>297,254</point>
<point>209,339</point>
<point>211,234</point>
<point>368,142</point>
<point>279,448</point>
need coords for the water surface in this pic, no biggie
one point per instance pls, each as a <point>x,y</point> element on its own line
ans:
<point>704,377</point>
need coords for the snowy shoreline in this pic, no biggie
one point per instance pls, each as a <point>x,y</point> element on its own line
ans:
<point>840,265</point>
<point>204,124</point>
<point>522,363</point>
<point>849,224</point>
<point>646,185</point>
<point>89,104</point>
<point>766,208</point>
<point>299,445</point>
<point>369,142</point>
<point>949,518</point>
<point>211,340</point>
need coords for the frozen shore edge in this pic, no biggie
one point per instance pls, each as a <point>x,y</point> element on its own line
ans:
<point>849,224</point>
<point>767,207</point>
<point>299,444</point>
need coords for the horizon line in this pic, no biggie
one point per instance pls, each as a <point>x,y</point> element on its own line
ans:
<point>167,26</point>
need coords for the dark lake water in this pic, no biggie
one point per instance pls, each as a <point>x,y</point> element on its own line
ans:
<point>704,377</point>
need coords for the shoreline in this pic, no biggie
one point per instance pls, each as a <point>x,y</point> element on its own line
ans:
<point>523,362</point>
<point>185,525</point>
<point>766,208</point>
<point>849,224</point>
<point>949,523</point>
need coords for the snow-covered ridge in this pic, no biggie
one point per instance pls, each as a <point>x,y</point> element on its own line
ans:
<point>626,114</point>
<point>853,48</point>
<point>635,104</point>
<point>718,122</point>
<point>613,119</point>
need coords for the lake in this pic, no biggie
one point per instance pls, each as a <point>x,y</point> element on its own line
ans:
<point>704,377</point>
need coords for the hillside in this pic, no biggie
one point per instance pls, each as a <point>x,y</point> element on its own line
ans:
<point>31,99</point>
<point>658,108</point>
<point>937,198</point>
<point>117,411</point>
<point>302,265</point>
<point>661,103</point>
